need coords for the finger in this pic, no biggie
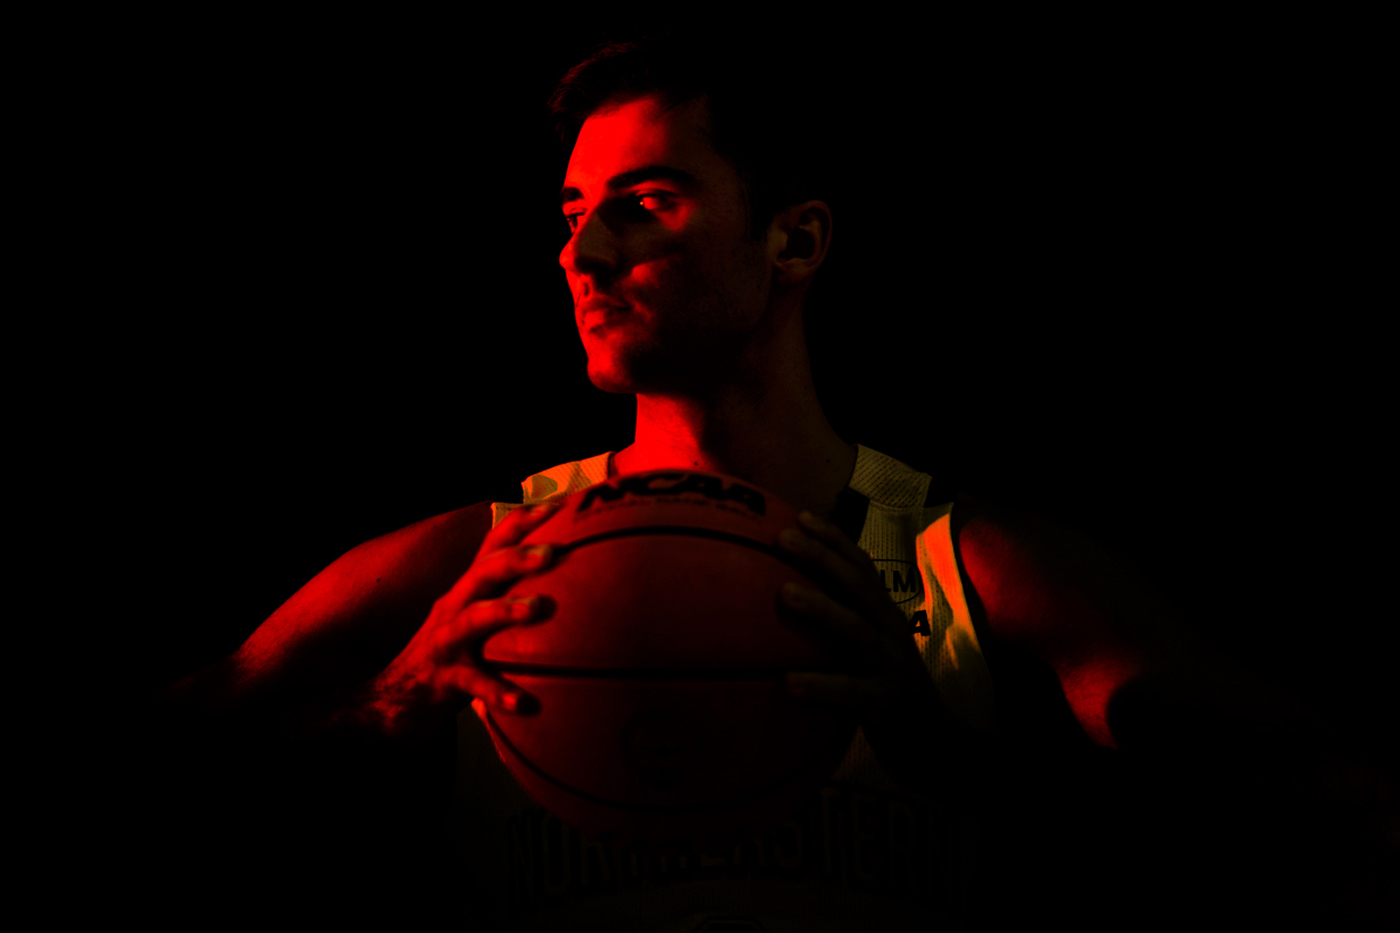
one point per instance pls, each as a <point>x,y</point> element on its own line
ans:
<point>518,524</point>
<point>496,693</point>
<point>817,608</point>
<point>463,635</point>
<point>491,574</point>
<point>861,583</point>
<point>835,539</point>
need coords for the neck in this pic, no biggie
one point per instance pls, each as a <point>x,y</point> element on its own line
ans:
<point>767,429</point>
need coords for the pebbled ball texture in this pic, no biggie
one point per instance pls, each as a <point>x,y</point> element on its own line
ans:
<point>664,723</point>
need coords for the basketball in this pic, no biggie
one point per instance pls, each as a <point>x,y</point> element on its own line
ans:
<point>663,717</point>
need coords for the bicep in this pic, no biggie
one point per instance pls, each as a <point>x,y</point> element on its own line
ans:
<point>1060,598</point>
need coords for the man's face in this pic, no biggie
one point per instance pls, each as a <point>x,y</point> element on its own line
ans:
<point>666,281</point>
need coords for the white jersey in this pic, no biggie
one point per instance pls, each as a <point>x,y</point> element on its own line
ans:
<point>868,854</point>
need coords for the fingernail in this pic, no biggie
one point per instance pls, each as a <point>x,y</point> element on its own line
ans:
<point>519,703</point>
<point>810,520</point>
<point>539,553</point>
<point>791,539</point>
<point>794,594</point>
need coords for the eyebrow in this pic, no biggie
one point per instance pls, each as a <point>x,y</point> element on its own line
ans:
<point>636,177</point>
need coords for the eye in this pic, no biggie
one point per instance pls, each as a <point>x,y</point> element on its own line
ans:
<point>652,201</point>
<point>640,206</point>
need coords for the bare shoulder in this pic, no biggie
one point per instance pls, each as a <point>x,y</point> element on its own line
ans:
<point>1071,602</point>
<point>354,616</point>
<point>1023,570</point>
<point>1043,584</point>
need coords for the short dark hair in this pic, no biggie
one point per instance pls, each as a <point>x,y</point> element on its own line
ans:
<point>765,119</point>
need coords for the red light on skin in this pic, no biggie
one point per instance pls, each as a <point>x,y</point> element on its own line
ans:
<point>679,302</point>
<point>595,314</point>
<point>655,214</point>
<point>1044,591</point>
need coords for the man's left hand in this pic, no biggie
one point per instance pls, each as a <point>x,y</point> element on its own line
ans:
<point>885,682</point>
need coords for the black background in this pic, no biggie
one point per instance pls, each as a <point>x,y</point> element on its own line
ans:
<point>1118,277</point>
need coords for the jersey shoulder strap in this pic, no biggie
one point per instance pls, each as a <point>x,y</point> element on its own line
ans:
<point>908,534</point>
<point>555,483</point>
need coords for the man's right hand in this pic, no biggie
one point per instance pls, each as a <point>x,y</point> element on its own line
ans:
<point>439,673</point>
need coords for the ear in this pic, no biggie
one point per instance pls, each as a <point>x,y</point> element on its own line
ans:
<point>799,238</point>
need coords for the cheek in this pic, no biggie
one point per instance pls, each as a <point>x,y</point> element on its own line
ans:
<point>667,270</point>
<point>710,271</point>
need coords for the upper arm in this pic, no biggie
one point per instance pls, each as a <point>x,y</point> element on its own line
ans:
<point>1055,595</point>
<point>353,617</point>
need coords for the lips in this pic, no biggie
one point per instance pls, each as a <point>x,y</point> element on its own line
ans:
<point>598,309</point>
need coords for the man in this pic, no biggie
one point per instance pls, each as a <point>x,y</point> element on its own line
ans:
<point>985,704</point>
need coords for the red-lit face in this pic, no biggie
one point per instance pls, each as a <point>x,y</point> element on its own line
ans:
<point>666,281</point>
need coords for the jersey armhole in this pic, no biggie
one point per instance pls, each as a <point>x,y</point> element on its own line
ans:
<point>977,614</point>
<point>953,650</point>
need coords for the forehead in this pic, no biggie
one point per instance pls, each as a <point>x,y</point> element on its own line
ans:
<point>629,135</point>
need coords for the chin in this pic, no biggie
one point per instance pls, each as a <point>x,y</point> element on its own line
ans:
<point>618,367</point>
<point>643,365</point>
<point>605,373</point>
<point>610,383</point>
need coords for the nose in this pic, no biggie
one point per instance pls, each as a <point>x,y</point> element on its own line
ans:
<point>592,250</point>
